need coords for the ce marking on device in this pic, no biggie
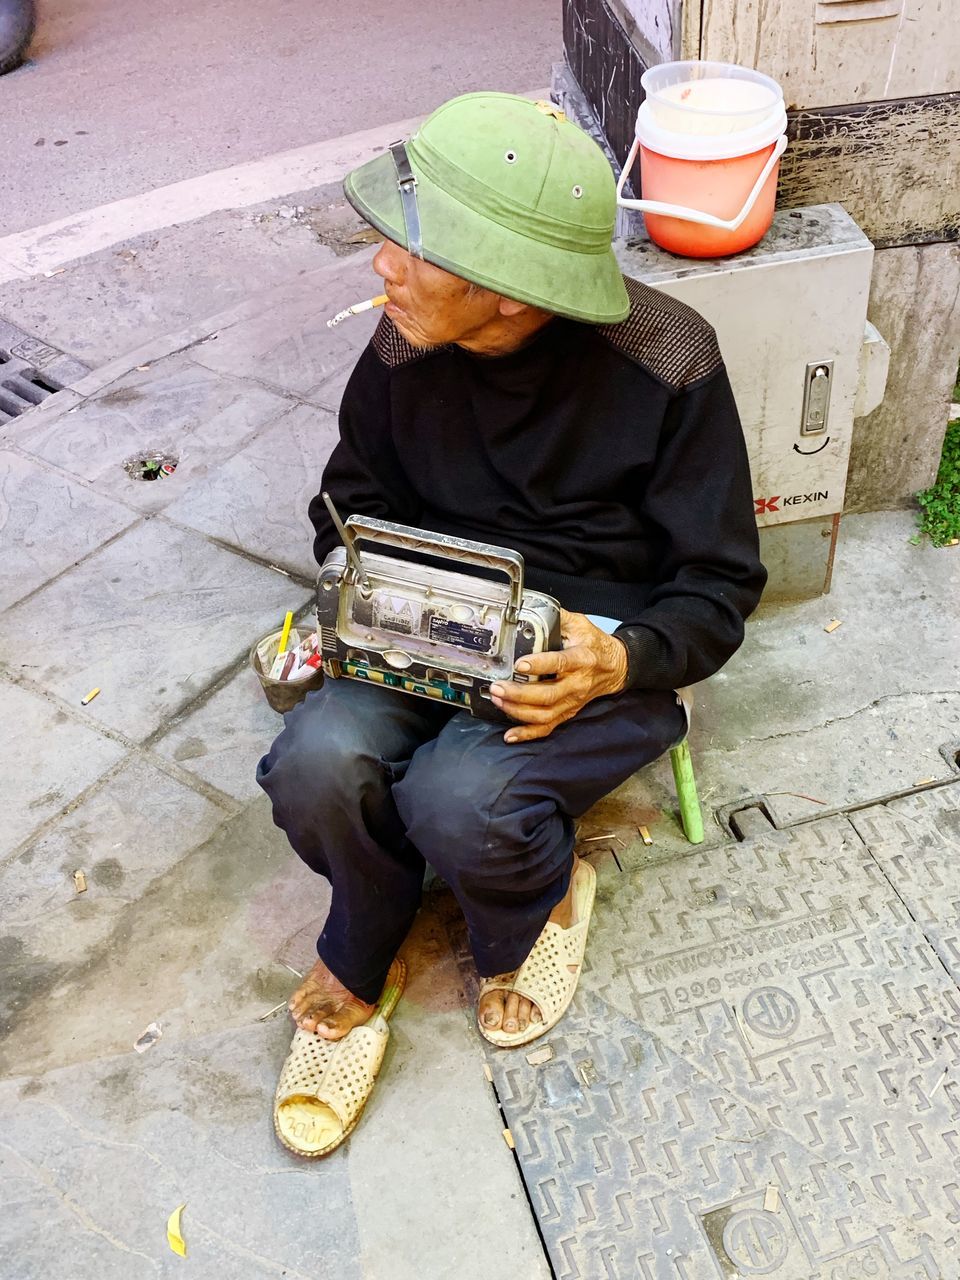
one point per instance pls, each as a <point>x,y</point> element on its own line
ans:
<point>807,452</point>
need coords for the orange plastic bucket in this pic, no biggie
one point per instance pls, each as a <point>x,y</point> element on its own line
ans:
<point>709,186</point>
<point>706,195</point>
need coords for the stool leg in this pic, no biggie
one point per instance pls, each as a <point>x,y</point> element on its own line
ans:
<point>690,814</point>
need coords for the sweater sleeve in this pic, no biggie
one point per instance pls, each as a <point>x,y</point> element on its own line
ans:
<point>700,502</point>
<point>363,475</point>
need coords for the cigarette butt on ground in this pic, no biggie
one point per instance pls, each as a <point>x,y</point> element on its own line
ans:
<point>80,880</point>
<point>90,696</point>
<point>174,1237</point>
<point>270,1012</point>
<point>150,1036</point>
<point>508,1139</point>
<point>488,1073</point>
<point>771,1199</point>
<point>924,782</point>
<point>832,626</point>
<point>645,835</point>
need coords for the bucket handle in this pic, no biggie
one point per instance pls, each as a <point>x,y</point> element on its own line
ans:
<point>694,215</point>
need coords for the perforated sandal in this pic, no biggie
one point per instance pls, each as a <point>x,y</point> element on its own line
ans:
<point>545,978</point>
<point>325,1084</point>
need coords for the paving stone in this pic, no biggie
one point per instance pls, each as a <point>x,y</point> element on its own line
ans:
<point>760,1013</point>
<point>103,1151</point>
<point>330,393</point>
<point>174,406</point>
<point>224,738</point>
<point>258,500</point>
<point>122,836</point>
<point>884,747</point>
<point>194,950</point>
<point>47,522</point>
<point>98,1156</point>
<point>916,840</point>
<point>153,619</point>
<point>288,345</point>
<point>49,759</point>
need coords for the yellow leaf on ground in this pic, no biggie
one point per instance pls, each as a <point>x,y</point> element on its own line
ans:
<point>174,1238</point>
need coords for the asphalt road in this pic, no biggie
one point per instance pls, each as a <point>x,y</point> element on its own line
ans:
<point>120,96</point>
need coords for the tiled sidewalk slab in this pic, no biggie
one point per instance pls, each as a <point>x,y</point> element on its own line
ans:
<point>49,759</point>
<point>330,393</point>
<point>95,1158</point>
<point>102,1152</point>
<point>754,1015</point>
<point>47,523</point>
<point>897,604</point>
<point>174,406</point>
<point>122,836</point>
<point>152,619</point>
<point>222,740</point>
<point>258,499</point>
<point>288,344</point>
<point>194,950</point>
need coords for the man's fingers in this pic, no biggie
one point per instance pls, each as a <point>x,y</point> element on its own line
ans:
<point>553,663</point>
<point>527,714</point>
<point>528,732</point>
<point>543,694</point>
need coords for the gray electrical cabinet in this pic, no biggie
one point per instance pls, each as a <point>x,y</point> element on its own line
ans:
<point>791,319</point>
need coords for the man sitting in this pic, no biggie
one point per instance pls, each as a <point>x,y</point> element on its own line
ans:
<point>518,391</point>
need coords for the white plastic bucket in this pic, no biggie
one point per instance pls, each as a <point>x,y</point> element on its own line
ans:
<point>709,97</point>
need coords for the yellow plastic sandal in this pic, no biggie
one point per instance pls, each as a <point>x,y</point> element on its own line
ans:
<point>325,1084</point>
<point>545,977</point>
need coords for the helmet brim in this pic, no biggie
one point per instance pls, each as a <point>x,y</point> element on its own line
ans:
<point>583,286</point>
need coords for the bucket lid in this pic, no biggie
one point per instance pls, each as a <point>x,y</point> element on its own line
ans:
<point>708,146</point>
<point>656,80</point>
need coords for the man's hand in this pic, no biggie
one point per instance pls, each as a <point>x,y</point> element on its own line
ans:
<point>590,665</point>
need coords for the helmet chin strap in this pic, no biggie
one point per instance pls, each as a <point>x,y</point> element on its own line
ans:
<point>407,186</point>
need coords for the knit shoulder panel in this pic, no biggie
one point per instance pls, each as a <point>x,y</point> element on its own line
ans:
<point>665,336</point>
<point>393,349</point>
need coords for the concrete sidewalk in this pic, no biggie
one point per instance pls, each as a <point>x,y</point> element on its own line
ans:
<point>777,1008</point>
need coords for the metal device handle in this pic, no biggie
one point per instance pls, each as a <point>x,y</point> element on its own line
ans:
<point>695,215</point>
<point>482,554</point>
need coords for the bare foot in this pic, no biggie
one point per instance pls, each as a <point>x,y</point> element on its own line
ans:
<point>507,1011</point>
<point>324,1005</point>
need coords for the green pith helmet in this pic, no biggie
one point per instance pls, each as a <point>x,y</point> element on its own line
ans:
<point>507,193</point>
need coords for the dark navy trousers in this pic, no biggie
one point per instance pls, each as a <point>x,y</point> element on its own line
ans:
<point>368,784</point>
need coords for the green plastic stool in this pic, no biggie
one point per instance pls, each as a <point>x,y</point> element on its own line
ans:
<point>690,815</point>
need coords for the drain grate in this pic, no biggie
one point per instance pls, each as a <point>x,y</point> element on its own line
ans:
<point>30,371</point>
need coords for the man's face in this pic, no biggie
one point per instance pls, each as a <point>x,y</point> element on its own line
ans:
<point>428,305</point>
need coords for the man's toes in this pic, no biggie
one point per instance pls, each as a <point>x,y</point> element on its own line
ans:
<point>511,1007</point>
<point>491,1014</point>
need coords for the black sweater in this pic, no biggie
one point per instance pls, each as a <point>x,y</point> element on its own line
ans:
<point>611,457</point>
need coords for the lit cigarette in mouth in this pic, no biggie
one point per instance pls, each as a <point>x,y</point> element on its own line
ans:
<point>357,307</point>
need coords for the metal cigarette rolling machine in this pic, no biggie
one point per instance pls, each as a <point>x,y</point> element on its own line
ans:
<point>439,629</point>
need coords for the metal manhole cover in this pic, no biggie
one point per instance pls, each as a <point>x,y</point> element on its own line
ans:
<point>30,371</point>
<point>791,1042</point>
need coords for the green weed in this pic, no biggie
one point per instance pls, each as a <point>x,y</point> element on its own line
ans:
<point>939,516</point>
